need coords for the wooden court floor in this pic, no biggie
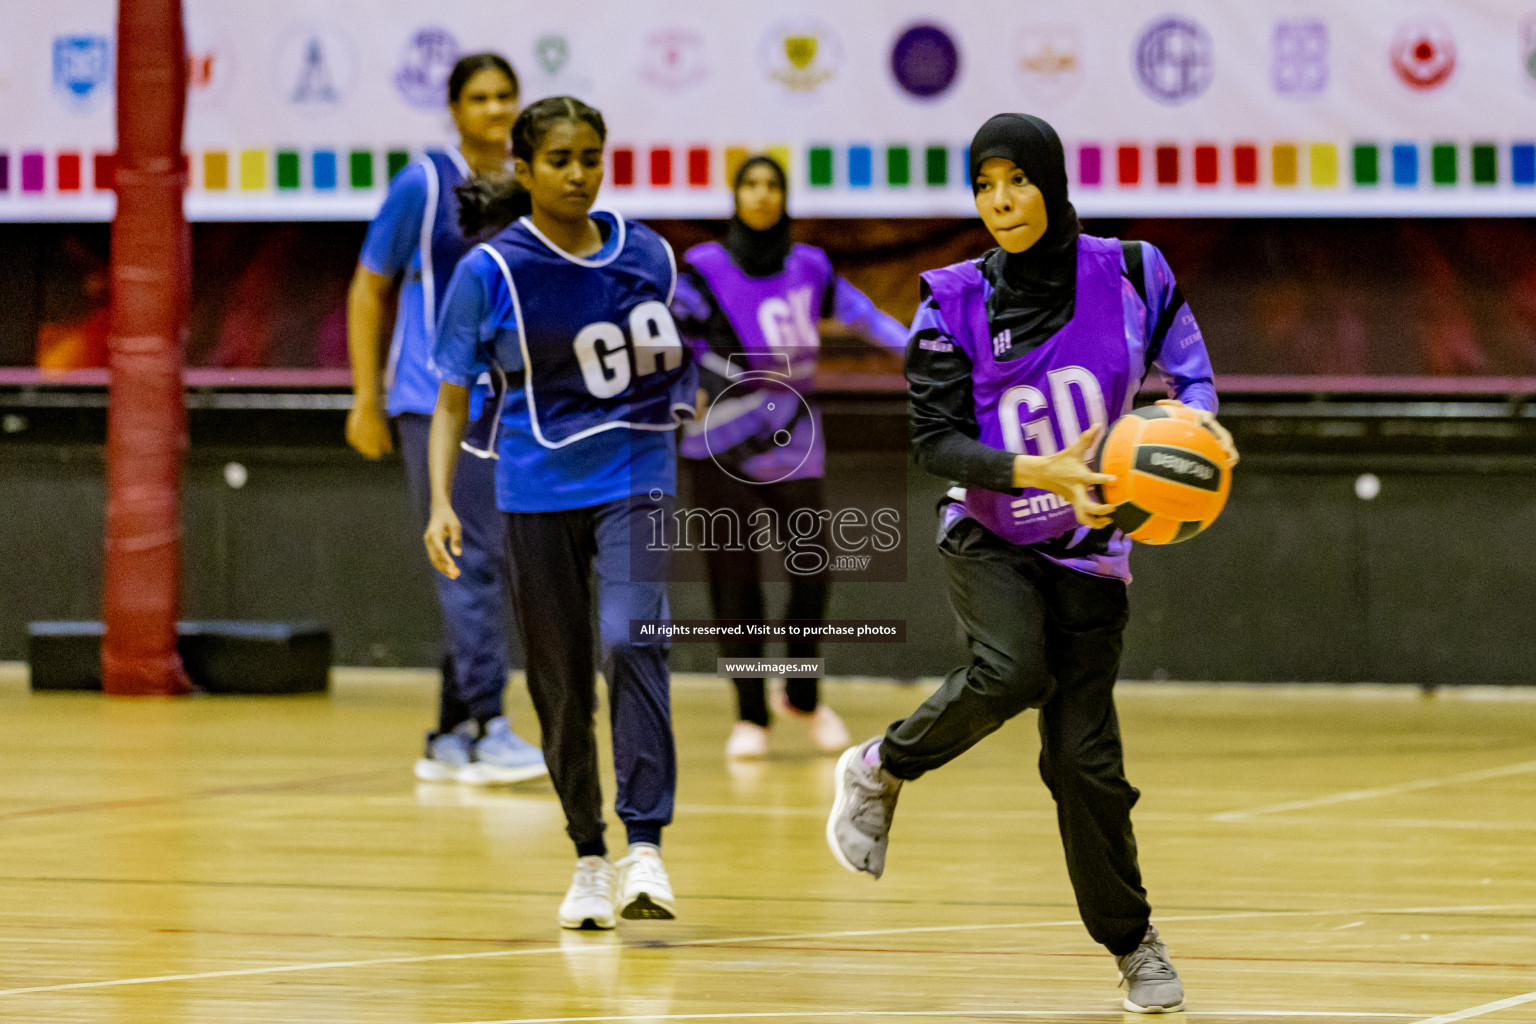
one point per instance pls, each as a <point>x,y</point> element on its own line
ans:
<point>1325,855</point>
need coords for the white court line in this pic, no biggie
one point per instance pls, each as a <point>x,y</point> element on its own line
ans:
<point>491,954</point>
<point>806,1014</point>
<point>1478,1011</point>
<point>1369,794</point>
<point>1416,824</point>
<point>480,802</point>
<point>1160,817</point>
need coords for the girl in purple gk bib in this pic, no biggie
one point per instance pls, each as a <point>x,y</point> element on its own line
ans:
<point>750,308</point>
<point>1016,362</point>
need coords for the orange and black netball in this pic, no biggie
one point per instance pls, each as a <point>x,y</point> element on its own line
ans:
<point>1171,474</point>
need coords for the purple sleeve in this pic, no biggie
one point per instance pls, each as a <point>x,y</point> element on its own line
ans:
<point>734,420</point>
<point>395,234</point>
<point>1181,358</point>
<point>852,307</point>
<point>690,309</point>
<point>688,303</point>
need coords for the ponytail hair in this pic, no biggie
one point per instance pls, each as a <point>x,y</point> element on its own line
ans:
<point>486,207</point>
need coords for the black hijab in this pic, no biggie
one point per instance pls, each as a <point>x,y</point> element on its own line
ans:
<point>1034,290</point>
<point>759,253</point>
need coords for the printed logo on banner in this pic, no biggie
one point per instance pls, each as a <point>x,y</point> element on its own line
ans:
<point>925,61</point>
<point>1424,54</point>
<point>554,69</point>
<point>1528,51</point>
<point>82,70</point>
<point>209,72</point>
<point>802,56</point>
<point>315,68</point>
<point>674,58</point>
<point>425,63</point>
<point>1175,60</point>
<point>1299,64</point>
<point>211,65</point>
<point>553,53</point>
<point>1049,61</point>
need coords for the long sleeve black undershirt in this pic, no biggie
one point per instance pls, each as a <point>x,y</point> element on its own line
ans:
<point>941,417</point>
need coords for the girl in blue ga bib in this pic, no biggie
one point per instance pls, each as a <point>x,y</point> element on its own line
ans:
<point>567,309</point>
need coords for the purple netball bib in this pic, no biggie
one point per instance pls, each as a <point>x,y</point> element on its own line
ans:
<point>775,319</point>
<point>772,316</point>
<point>1039,402</point>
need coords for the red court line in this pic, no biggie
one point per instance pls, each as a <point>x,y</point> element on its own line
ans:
<point>1095,956</point>
<point>196,794</point>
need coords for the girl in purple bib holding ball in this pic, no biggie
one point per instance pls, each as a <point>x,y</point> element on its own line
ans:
<point>750,308</point>
<point>1016,362</point>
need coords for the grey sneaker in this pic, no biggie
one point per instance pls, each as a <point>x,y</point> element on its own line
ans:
<point>859,826</point>
<point>503,756</point>
<point>1152,985</point>
<point>448,755</point>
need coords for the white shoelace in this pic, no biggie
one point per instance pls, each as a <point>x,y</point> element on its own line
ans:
<point>1149,962</point>
<point>646,868</point>
<point>592,879</point>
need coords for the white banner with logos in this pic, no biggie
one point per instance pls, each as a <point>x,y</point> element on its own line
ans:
<point>301,109</point>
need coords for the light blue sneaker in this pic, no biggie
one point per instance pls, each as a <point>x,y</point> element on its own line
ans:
<point>501,756</point>
<point>449,755</point>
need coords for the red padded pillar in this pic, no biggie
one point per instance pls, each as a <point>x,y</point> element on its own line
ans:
<point>146,417</point>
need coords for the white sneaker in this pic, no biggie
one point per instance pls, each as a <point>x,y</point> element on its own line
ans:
<point>748,741</point>
<point>828,731</point>
<point>644,889</point>
<point>588,902</point>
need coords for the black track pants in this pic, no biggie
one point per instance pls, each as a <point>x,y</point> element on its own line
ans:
<point>735,580</point>
<point>1048,637</point>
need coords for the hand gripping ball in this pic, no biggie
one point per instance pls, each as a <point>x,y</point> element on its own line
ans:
<point>1171,474</point>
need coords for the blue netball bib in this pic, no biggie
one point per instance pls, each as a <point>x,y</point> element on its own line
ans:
<point>596,339</point>
<point>408,375</point>
<point>599,376</point>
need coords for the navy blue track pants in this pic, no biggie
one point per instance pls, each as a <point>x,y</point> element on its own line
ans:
<point>556,557</point>
<point>474,605</point>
